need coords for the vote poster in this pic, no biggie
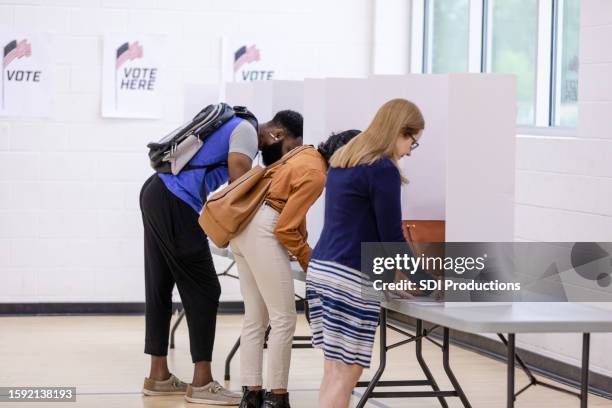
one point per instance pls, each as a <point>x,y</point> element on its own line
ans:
<point>250,59</point>
<point>26,74</point>
<point>133,70</point>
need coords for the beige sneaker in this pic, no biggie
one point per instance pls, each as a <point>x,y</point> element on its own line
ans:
<point>212,393</point>
<point>171,386</point>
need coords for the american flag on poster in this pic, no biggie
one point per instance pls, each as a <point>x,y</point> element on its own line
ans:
<point>245,55</point>
<point>128,52</point>
<point>15,50</point>
<point>12,51</point>
<point>26,75</point>
<point>250,59</point>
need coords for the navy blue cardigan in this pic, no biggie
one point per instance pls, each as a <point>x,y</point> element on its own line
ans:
<point>362,204</point>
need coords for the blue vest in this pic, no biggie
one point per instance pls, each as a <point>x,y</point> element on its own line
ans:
<point>187,185</point>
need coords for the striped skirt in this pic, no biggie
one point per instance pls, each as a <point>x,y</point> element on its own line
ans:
<point>344,312</point>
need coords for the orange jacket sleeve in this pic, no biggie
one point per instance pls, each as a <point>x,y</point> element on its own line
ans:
<point>291,222</point>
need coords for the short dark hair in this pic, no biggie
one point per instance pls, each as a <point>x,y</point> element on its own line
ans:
<point>336,141</point>
<point>291,121</point>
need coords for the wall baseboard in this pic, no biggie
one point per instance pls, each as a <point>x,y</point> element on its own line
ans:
<point>111,308</point>
<point>105,308</point>
<point>540,365</point>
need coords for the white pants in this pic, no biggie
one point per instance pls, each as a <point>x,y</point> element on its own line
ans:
<point>266,284</point>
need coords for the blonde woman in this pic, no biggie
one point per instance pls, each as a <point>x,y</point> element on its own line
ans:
<point>362,204</point>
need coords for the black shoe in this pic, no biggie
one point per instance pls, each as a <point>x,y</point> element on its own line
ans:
<point>276,400</point>
<point>252,399</point>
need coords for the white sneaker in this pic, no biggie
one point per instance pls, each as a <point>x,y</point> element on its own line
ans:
<point>212,393</point>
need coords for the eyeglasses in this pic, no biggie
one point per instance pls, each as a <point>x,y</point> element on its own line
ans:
<point>415,144</point>
<point>409,132</point>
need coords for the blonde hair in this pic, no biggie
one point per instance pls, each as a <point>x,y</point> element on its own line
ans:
<point>396,118</point>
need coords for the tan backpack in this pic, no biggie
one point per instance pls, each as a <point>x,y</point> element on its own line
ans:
<point>227,212</point>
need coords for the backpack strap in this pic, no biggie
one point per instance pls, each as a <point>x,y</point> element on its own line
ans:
<point>243,113</point>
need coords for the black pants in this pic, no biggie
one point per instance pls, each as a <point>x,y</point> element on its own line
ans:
<point>176,251</point>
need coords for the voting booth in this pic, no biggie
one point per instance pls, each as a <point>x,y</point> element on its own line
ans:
<point>463,170</point>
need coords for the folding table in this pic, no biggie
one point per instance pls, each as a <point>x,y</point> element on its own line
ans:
<point>503,318</point>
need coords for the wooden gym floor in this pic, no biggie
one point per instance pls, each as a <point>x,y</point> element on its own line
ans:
<point>103,357</point>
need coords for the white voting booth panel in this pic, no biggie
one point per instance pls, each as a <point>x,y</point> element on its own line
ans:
<point>331,105</point>
<point>424,197</point>
<point>463,171</point>
<point>265,98</point>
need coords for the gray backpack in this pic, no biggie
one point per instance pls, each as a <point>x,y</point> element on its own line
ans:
<point>172,153</point>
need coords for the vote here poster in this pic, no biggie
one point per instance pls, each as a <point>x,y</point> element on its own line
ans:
<point>133,72</point>
<point>26,85</point>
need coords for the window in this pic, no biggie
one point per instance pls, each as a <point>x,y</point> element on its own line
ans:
<point>536,40</point>
<point>449,37</point>
<point>566,86</point>
<point>512,49</point>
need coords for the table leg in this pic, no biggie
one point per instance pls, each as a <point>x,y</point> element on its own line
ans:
<point>423,364</point>
<point>229,358</point>
<point>584,383</point>
<point>266,335</point>
<point>510,373</point>
<point>383,360</point>
<point>175,326</point>
<point>449,371</point>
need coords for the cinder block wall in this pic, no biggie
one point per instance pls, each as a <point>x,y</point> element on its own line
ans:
<point>70,228</point>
